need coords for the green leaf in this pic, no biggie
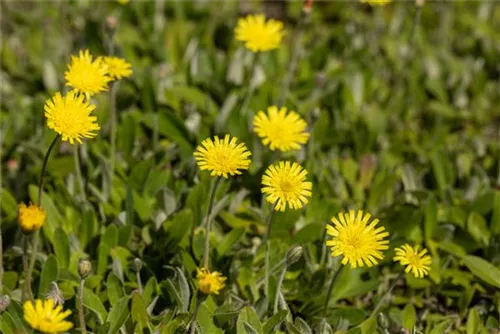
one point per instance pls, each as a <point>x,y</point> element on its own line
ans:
<point>251,318</point>
<point>195,96</point>
<point>139,310</point>
<point>178,227</point>
<point>483,269</point>
<point>93,303</point>
<point>274,321</point>
<point>476,225</point>
<point>369,326</point>
<point>473,322</point>
<point>114,289</point>
<point>61,247</point>
<point>441,328</point>
<point>409,317</point>
<point>430,221</point>
<point>54,218</point>
<point>118,315</point>
<point>495,219</point>
<point>8,325</point>
<point>230,240</point>
<point>50,273</point>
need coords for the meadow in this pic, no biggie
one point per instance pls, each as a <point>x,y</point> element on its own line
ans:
<point>250,167</point>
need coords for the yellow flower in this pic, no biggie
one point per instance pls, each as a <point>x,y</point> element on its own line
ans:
<point>416,262</point>
<point>30,218</point>
<point>258,34</point>
<point>86,75</point>
<point>70,117</point>
<point>222,157</point>
<point>377,2</point>
<point>280,130</point>
<point>286,183</point>
<point>117,67</point>
<point>210,283</point>
<point>46,317</point>
<point>359,242</point>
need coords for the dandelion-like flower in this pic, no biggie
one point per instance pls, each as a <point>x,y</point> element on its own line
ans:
<point>30,218</point>
<point>117,68</point>
<point>258,34</point>
<point>285,184</point>
<point>281,130</point>
<point>377,2</point>
<point>86,75</point>
<point>210,283</point>
<point>417,262</point>
<point>222,157</point>
<point>69,116</point>
<point>46,317</point>
<point>358,240</point>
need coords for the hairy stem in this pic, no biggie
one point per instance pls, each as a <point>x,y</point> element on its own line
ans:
<point>113,127</point>
<point>78,172</point>
<point>330,289</point>
<point>27,278</point>
<point>251,88</point>
<point>208,223</point>
<point>278,288</point>
<point>267,245</point>
<point>81,314</point>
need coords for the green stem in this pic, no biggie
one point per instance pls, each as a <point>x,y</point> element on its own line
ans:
<point>139,281</point>
<point>44,167</point>
<point>268,245</point>
<point>330,289</point>
<point>295,58</point>
<point>251,88</point>
<point>78,172</point>
<point>81,314</point>
<point>113,127</point>
<point>208,223</point>
<point>379,305</point>
<point>192,326</point>
<point>278,288</point>
<point>27,278</point>
<point>416,22</point>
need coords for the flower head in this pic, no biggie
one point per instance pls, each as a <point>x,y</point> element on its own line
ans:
<point>222,157</point>
<point>46,317</point>
<point>69,116</point>
<point>280,130</point>
<point>258,34</point>
<point>359,241</point>
<point>118,68</point>
<point>285,183</point>
<point>418,262</point>
<point>377,2</point>
<point>210,283</point>
<point>30,218</point>
<point>86,75</point>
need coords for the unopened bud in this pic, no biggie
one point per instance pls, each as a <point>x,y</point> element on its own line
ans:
<point>137,264</point>
<point>55,294</point>
<point>294,254</point>
<point>111,22</point>
<point>382,321</point>
<point>419,3</point>
<point>4,303</point>
<point>307,6</point>
<point>12,165</point>
<point>84,268</point>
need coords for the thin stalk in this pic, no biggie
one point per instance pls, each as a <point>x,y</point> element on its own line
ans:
<point>113,120</point>
<point>1,262</point>
<point>192,326</point>
<point>251,89</point>
<point>268,245</point>
<point>208,223</point>
<point>278,288</point>
<point>295,57</point>
<point>78,172</point>
<point>27,278</point>
<point>44,167</point>
<point>139,281</point>
<point>81,315</point>
<point>379,305</point>
<point>330,289</point>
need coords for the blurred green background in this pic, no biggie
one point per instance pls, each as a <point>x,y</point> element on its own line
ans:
<point>405,123</point>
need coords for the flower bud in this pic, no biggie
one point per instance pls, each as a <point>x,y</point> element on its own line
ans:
<point>84,268</point>
<point>55,294</point>
<point>382,321</point>
<point>419,3</point>
<point>137,264</point>
<point>4,303</point>
<point>294,254</point>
